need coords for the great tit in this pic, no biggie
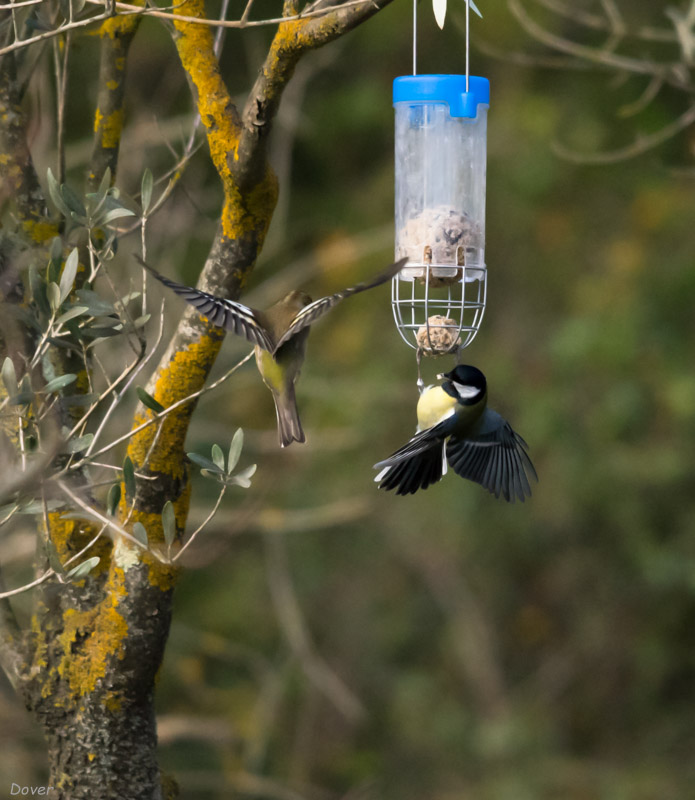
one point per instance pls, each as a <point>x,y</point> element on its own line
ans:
<point>455,426</point>
<point>279,333</point>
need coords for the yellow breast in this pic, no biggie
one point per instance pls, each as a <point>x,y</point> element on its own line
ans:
<point>433,406</point>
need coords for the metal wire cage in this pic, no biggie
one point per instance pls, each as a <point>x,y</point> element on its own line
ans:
<point>438,308</point>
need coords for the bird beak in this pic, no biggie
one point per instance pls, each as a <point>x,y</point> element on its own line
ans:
<point>441,376</point>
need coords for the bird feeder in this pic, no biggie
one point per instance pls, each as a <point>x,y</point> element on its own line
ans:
<point>438,298</point>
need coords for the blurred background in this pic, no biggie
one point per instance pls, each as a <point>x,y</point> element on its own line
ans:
<point>334,641</point>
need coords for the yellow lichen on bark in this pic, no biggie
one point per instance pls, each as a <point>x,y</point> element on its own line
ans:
<point>121,24</point>
<point>241,214</point>
<point>91,638</point>
<point>185,373</point>
<point>109,127</point>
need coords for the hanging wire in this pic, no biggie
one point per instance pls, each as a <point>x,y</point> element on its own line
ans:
<point>414,37</point>
<point>468,59</point>
<point>468,15</point>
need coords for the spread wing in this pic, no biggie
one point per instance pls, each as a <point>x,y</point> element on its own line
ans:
<point>228,314</point>
<point>496,459</point>
<point>309,314</point>
<point>416,465</point>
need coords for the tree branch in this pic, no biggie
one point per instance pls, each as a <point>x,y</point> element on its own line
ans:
<point>116,34</point>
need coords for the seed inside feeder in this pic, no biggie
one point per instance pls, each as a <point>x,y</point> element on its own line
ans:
<point>439,336</point>
<point>437,237</point>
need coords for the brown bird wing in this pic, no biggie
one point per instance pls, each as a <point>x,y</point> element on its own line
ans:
<point>309,314</point>
<point>228,314</point>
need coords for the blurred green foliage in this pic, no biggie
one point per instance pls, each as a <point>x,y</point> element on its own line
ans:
<point>490,652</point>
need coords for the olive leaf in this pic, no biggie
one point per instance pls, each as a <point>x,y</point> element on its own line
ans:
<point>129,477</point>
<point>68,277</point>
<point>83,569</point>
<point>147,400</point>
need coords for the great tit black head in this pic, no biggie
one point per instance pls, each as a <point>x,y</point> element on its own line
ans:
<point>466,383</point>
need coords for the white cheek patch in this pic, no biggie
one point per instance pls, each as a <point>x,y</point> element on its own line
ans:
<point>466,392</point>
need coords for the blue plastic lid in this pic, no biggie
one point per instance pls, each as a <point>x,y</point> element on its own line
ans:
<point>449,89</point>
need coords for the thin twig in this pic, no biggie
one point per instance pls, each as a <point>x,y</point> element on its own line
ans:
<point>202,524</point>
<point>172,407</point>
<point>638,147</point>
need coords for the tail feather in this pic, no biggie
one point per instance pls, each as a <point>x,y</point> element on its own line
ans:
<point>289,426</point>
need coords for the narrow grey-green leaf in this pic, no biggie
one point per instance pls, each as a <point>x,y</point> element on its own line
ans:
<point>53,295</point>
<point>60,382</point>
<point>218,457</point>
<point>146,190</point>
<point>147,400</point>
<point>169,523</point>
<point>75,311</point>
<point>105,185</point>
<point>140,321</point>
<point>113,498</point>
<point>129,478</point>
<point>83,569</point>
<point>116,213</point>
<point>215,474</point>
<point>95,303</point>
<point>67,279</point>
<point>56,196</point>
<point>54,559</point>
<point>205,463</point>
<point>235,450</point>
<point>79,444</point>
<point>242,478</point>
<point>73,202</point>
<point>140,533</point>
<point>9,377</point>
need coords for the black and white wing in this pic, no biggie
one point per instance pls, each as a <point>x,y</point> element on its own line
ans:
<point>496,458</point>
<point>309,314</point>
<point>228,314</point>
<point>416,465</point>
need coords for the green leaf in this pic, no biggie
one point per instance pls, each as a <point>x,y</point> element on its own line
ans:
<point>149,401</point>
<point>215,474</point>
<point>73,202</point>
<point>75,311</point>
<point>140,321</point>
<point>205,463</point>
<point>67,279</point>
<point>95,303</point>
<point>53,295</point>
<point>113,498</point>
<point>235,450</point>
<point>83,569</point>
<point>218,457</point>
<point>242,478</point>
<point>9,377</point>
<point>104,186</point>
<point>129,478</point>
<point>59,383</point>
<point>146,190</point>
<point>79,444</point>
<point>169,523</point>
<point>54,559</point>
<point>56,196</point>
<point>116,213</point>
<point>25,394</point>
<point>140,533</point>
<point>38,289</point>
